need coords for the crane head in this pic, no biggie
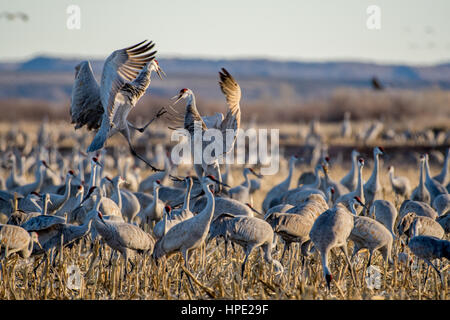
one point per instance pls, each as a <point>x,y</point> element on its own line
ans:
<point>100,215</point>
<point>361,161</point>
<point>71,173</point>
<point>181,95</point>
<point>168,208</point>
<point>158,69</point>
<point>381,150</point>
<point>91,190</point>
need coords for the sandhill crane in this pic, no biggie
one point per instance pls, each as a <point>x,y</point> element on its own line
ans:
<point>227,176</point>
<point>154,212</point>
<point>36,185</point>
<point>444,221</point>
<point>108,206</point>
<point>125,199</point>
<point>242,192</point>
<point>421,193</point>
<point>249,232</point>
<point>442,204</point>
<point>444,176</point>
<point>176,216</point>
<point>330,230</point>
<point>281,188</point>
<point>191,119</point>
<point>278,208</point>
<point>350,180</point>
<point>430,248</point>
<point>223,205</point>
<point>370,234</point>
<point>189,234</point>
<point>418,207</point>
<point>346,131</point>
<point>57,201</point>
<point>400,185</point>
<point>125,78</point>
<point>372,188</point>
<point>125,238</point>
<point>61,234</point>
<point>434,187</point>
<point>73,202</point>
<point>339,189</point>
<point>358,191</point>
<point>17,239</point>
<point>295,227</point>
<point>412,224</point>
<point>14,180</point>
<point>384,212</point>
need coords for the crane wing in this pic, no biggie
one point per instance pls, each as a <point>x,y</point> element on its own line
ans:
<point>86,107</point>
<point>232,92</point>
<point>121,67</point>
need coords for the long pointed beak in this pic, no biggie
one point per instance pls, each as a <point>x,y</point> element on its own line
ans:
<point>86,197</point>
<point>177,97</point>
<point>221,183</point>
<point>159,73</point>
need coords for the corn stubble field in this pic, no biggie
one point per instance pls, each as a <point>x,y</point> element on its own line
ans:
<point>216,277</point>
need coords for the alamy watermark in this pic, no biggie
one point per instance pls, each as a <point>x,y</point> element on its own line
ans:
<point>213,145</point>
<point>73,21</point>
<point>374,19</point>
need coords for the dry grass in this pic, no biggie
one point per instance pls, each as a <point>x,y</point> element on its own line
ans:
<point>216,276</point>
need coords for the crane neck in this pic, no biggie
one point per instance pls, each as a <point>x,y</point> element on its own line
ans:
<point>208,212</point>
<point>119,196</point>
<point>376,168</point>
<point>422,175</point>
<point>247,180</point>
<point>45,206</point>
<point>360,186</point>
<point>316,183</point>
<point>427,169</point>
<point>187,196</point>
<point>92,177</point>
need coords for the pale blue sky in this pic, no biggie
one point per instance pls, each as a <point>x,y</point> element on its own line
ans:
<point>413,32</point>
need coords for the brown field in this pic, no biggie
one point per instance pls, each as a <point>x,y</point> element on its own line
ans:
<point>214,276</point>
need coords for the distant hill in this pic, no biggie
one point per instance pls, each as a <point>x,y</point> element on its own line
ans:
<point>51,78</point>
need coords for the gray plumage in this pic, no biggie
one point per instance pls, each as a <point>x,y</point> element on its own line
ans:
<point>442,204</point>
<point>444,176</point>
<point>17,239</point>
<point>434,188</point>
<point>413,225</point>
<point>400,185</point>
<point>372,235</point>
<point>418,207</point>
<point>350,180</point>
<point>430,248</point>
<point>444,221</point>
<point>124,237</point>
<point>330,230</point>
<point>281,188</point>
<point>249,232</point>
<point>372,188</point>
<point>384,212</point>
<point>421,193</point>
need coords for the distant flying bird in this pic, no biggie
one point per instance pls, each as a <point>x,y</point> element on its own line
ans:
<point>125,78</point>
<point>376,84</point>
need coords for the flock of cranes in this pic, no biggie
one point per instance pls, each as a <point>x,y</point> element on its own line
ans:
<point>146,215</point>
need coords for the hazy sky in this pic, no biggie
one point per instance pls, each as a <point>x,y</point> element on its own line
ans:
<point>412,31</point>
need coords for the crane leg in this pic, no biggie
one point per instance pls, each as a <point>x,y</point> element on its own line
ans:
<point>344,250</point>
<point>158,114</point>
<point>437,270</point>
<point>126,133</point>
<point>370,259</point>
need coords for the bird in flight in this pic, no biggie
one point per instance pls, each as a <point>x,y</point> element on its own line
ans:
<point>125,78</point>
